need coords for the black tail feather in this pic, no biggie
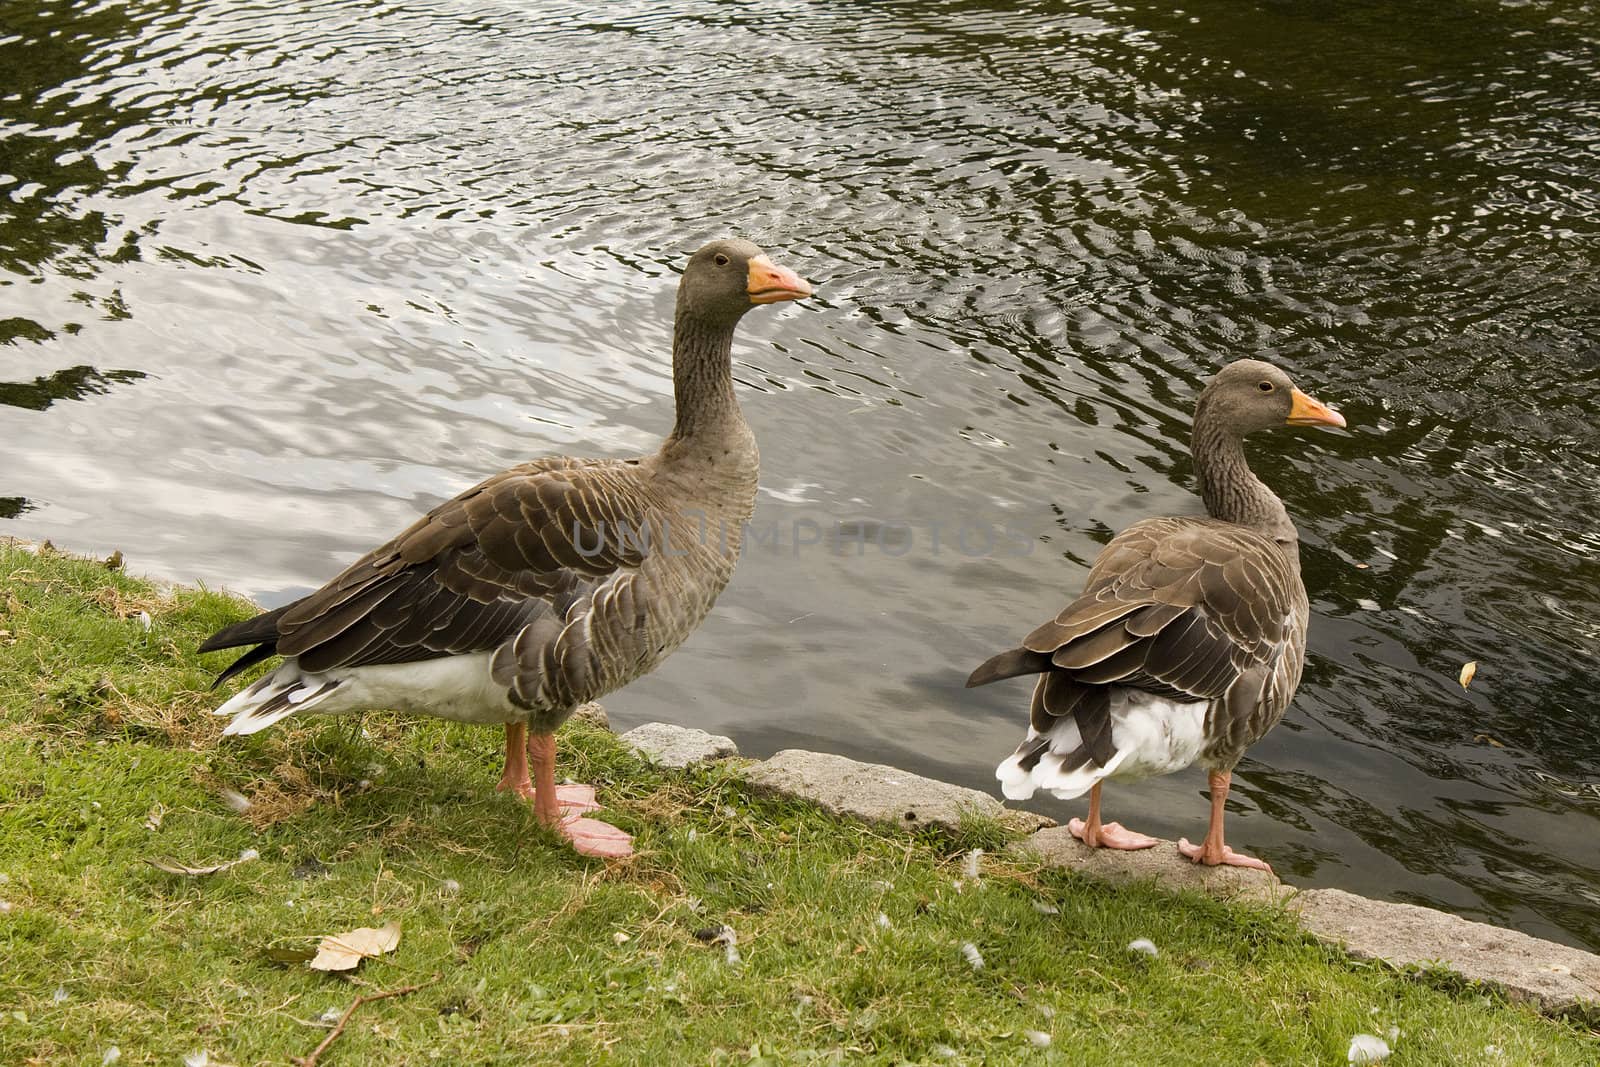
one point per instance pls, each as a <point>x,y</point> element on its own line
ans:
<point>246,661</point>
<point>1029,752</point>
<point>1017,661</point>
<point>252,631</point>
<point>261,631</point>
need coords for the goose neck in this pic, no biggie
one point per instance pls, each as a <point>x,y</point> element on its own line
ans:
<point>702,377</point>
<point>1230,489</point>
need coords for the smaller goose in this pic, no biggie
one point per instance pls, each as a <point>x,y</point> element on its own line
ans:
<point>1188,639</point>
<point>548,585</point>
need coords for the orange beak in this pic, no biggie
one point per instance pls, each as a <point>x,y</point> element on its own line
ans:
<point>770,283</point>
<point>1309,411</point>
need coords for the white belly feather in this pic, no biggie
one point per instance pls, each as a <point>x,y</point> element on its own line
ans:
<point>1152,736</point>
<point>450,687</point>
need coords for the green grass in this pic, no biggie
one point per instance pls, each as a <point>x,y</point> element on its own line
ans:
<point>108,755</point>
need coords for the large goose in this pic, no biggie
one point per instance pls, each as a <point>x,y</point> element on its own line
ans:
<point>549,584</point>
<point>1188,639</point>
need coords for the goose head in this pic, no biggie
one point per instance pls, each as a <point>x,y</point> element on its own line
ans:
<point>1249,395</point>
<point>727,278</point>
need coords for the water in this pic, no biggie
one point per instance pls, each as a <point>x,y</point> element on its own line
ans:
<point>277,277</point>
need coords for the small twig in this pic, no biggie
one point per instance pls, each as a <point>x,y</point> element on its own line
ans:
<point>365,998</point>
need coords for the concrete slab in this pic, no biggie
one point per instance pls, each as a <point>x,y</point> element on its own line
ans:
<point>1556,978</point>
<point>1162,864</point>
<point>876,793</point>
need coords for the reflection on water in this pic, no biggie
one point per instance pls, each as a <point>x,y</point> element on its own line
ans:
<point>13,330</point>
<point>365,253</point>
<point>71,383</point>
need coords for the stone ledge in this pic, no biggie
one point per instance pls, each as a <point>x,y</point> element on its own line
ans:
<point>666,745</point>
<point>876,793</point>
<point>1163,865</point>
<point>869,791</point>
<point>1556,978</point>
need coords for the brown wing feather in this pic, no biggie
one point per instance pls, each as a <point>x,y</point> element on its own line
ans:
<point>1209,598</point>
<point>526,544</point>
<point>1184,607</point>
<point>1083,616</point>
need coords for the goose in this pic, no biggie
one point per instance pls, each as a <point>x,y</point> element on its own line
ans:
<point>547,585</point>
<point>1187,642</point>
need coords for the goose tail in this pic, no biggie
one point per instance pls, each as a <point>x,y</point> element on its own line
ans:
<point>274,697</point>
<point>1009,664</point>
<point>1057,762</point>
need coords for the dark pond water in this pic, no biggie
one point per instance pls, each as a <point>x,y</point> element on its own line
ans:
<point>278,276</point>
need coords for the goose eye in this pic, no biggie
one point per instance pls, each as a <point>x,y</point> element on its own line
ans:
<point>721,260</point>
<point>1265,387</point>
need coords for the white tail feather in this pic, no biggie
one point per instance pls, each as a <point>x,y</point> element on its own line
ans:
<point>1151,736</point>
<point>280,694</point>
<point>1049,774</point>
<point>238,700</point>
<point>252,721</point>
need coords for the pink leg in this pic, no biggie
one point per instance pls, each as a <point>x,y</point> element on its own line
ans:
<point>515,777</point>
<point>1096,834</point>
<point>590,837</point>
<point>574,798</point>
<point>1212,851</point>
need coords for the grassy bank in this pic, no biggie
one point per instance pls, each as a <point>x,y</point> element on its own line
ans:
<point>850,940</point>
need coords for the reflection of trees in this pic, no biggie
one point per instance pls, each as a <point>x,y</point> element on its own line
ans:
<point>47,137</point>
<point>13,330</point>
<point>72,383</point>
<point>1431,840</point>
<point>1476,594</point>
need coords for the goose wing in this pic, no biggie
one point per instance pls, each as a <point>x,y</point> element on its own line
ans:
<point>519,555</point>
<point>1186,608</point>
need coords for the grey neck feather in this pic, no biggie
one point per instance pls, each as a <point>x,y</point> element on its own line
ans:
<point>702,378</point>
<point>1231,490</point>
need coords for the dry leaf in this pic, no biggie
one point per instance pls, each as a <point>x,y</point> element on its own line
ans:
<point>172,866</point>
<point>1467,673</point>
<point>341,952</point>
<point>1487,740</point>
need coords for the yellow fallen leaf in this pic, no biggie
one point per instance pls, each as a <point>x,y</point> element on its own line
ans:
<point>341,952</point>
<point>1467,672</point>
